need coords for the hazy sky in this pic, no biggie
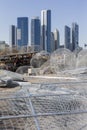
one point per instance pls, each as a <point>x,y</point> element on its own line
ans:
<point>64,12</point>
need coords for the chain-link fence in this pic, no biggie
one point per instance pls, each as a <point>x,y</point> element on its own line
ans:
<point>44,107</point>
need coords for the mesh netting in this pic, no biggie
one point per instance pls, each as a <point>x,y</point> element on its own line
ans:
<point>65,60</point>
<point>60,60</point>
<point>54,103</point>
<point>44,107</point>
<point>22,69</point>
<point>38,59</point>
<point>81,59</point>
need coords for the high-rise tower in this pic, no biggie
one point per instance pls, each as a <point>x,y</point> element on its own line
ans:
<point>52,42</point>
<point>75,36</point>
<point>56,39</point>
<point>35,31</point>
<point>67,37</point>
<point>12,35</point>
<point>22,31</point>
<point>46,30</point>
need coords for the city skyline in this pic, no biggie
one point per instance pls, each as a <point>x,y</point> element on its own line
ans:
<point>63,13</point>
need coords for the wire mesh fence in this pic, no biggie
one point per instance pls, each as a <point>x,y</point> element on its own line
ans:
<point>34,111</point>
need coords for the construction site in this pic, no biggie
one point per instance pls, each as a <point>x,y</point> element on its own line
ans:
<point>48,94</point>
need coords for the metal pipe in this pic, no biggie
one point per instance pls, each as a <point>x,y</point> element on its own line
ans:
<point>43,114</point>
<point>36,95</point>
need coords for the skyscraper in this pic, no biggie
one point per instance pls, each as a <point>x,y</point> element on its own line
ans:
<point>46,30</point>
<point>56,39</point>
<point>13,35</point>
<point>35,31</point>
<point>22,31</point>
<point>75,36</point>
<point>67,37</point>
<point>52,42</point>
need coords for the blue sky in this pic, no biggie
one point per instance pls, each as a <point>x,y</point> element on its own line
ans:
<point>64,12</point>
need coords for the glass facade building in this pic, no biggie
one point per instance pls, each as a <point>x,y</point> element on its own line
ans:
<point>35,31</point>
<point>13,35</point>
<point>67,37</point>
<point>46,30</point>
<point>22,31</point>
<point>75,36</point>
<point>52,42</point>
<point>56,39</point>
